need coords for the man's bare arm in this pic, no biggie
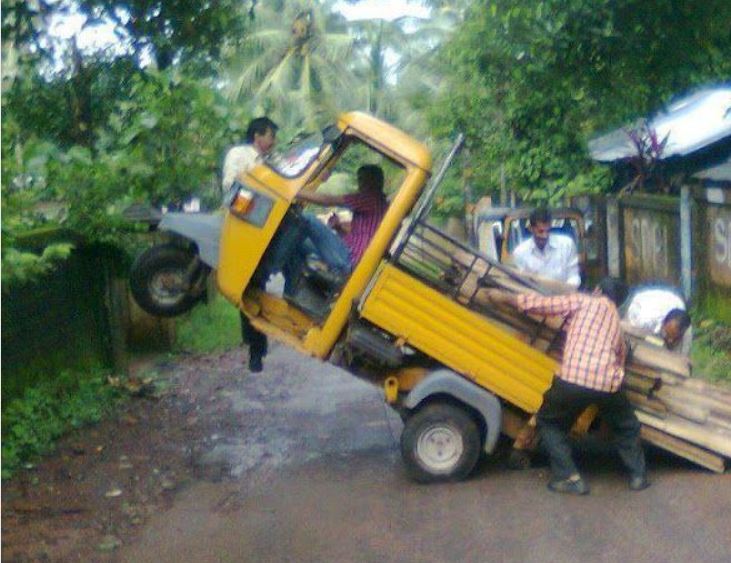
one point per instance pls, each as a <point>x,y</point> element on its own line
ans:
<point>321,199</point>
<point>502,297</point>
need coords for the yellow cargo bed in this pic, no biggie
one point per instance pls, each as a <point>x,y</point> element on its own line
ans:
<point>458,337</point>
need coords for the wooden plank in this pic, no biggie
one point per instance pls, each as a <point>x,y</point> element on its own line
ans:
<point>720,422</point>
<point>649,371</point>
<point>645,354</point>
<point>648,404</point>
<point>707,400</point>
<point>708,388</point>
<point>711,438</point>
<point>683,449</point>
<point>687,410</point>
<point>641,384</point>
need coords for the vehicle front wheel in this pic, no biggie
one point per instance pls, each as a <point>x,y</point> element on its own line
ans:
<point>162,283</point>
<point>440,442</point>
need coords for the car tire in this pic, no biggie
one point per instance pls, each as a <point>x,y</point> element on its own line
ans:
<point>157,281</point>
<point>440,442</point>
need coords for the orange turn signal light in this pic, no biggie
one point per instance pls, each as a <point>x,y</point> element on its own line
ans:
<point>243,202</point>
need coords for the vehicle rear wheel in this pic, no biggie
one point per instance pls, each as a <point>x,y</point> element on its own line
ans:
<point>161,282</point>
<point>440,442</point>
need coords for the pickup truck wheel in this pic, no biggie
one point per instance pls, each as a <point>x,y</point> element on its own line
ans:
<point>440,442</point>
<point>158,280</point>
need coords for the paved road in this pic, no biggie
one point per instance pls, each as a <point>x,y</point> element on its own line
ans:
<point>306,468</point>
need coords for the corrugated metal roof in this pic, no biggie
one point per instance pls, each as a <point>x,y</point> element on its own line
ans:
<point>690,124</point>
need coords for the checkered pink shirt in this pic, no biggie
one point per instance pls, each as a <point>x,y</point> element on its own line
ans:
<point>368,210</point>
<point>594,352</point>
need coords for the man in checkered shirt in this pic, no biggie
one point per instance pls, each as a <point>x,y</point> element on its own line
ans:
<point>592,370</point>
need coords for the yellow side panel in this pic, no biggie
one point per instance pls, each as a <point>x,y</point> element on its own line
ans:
<point>459,338</point>
<point>241,248</point>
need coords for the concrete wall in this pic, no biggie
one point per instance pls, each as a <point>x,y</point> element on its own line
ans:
<point>684,241</point>
<point>78,317</point>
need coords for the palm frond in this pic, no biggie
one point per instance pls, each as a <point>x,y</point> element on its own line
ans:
<point>277,78</point>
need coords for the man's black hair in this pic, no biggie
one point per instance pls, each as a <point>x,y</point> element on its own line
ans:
<point>682,317</point>
<point>259,126</point>
<point>615,289</point>
<point>540,215</point>
<point>374,175</point>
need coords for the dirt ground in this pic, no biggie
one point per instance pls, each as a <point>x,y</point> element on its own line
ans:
<point>301,463</point>
<point>103,482</point>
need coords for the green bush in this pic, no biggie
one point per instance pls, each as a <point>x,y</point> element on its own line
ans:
<point>160,144</point>
<point>712,351</point>
<point>32,424</point>
<point>212,327</point>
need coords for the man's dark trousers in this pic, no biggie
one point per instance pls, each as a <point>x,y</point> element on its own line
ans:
<point>256,340</point>
<point>563,402</point>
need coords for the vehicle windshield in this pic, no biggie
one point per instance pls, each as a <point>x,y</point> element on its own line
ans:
<point>291,160</point>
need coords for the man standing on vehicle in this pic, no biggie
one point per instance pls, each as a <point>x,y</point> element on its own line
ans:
<point>260,138</point>
<point>261,135</point>
<point>548,255</point>
<point>592,371</point>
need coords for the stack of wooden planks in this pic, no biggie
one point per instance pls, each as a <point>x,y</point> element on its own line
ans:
<point>684,415</point>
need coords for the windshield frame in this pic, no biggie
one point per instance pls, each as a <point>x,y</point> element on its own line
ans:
<point>293,160</point>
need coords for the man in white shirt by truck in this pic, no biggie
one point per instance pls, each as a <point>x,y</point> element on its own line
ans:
<point>548,255</point>
<point>661,311</point>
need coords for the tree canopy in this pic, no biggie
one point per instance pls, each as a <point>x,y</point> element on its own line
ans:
<point>293,64</point>
<point>530,81</point>
<point>158,31</point>
<point>85,132</point>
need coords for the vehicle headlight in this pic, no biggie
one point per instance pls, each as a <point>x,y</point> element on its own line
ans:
<point>249,204</point>
<point>242,201</point>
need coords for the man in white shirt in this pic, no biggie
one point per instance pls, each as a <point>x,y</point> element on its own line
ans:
<point>260,138</point>
<point>661,311</point>
<point>548,255</point>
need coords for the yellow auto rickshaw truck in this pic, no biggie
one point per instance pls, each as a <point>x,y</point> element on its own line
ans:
<point>403,318</point>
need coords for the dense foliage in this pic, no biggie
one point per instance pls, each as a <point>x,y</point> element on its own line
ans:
<point>86,133</point>
<point>161,144</point>
<point>531,81</point>
<point>294,65</point>
<point>32,423</point>
<point>163,32</point>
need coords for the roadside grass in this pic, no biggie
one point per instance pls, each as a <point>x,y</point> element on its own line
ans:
<point>211,327</point>
<point>711,352</point>
<point>31,424</point>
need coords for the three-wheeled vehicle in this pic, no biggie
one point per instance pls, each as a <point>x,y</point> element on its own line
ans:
<point>403,319</point>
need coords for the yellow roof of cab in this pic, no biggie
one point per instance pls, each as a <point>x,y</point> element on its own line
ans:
<point>391,139</point>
